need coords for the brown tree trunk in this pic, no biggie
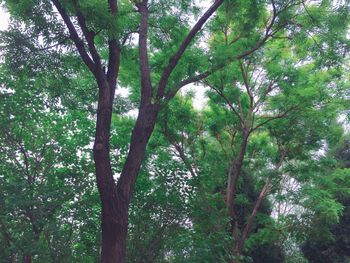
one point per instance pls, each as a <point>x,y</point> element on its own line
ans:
<point>27,259</point>
<point>116,198</point>
<point>234,173</point>
<point>112,220</point>
<point>114,231</point>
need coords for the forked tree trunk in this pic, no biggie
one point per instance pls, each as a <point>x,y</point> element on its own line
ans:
<point>116,198</point>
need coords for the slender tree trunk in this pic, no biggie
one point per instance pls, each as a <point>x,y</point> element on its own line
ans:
<point>234,173</point>
<point>27,259</point>
<point>141,134</point>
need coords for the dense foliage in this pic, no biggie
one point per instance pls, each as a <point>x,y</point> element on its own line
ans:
<point>96,116</point>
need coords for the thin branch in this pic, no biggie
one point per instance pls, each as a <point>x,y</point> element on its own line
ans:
<point>262,195</point>
<point>146,85</point>
<point>54,45</point>
<point>218,138</point>
<point>270,87</point>
<point>227,101</point>
<point>169,95</point>
<point>207,73</point>
<point>175,59</point>
<point>234,40</point>
<point>244,73</point>
<point>281,115</point>
<point>179,150</point>
<point>241,110</point>
<point>89,36</point>
<point>22,150</point>
<point>75,37</point>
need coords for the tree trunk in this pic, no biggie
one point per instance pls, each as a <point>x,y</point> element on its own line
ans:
<point>234,173</point>
<point>116,198</point>
<point>111,218</point>
<point>27,259</point>
<point>114,231</point>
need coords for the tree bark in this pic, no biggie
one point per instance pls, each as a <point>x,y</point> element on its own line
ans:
<point>104,176</point>
<point>116,198</point>
<point>113,220</point>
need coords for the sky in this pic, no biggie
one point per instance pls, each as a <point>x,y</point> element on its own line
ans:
<point>4,17</point>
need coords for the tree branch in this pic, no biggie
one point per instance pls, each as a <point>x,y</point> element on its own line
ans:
<point>262,195</point>
<point>169,95</point>
<point>227,101</point>
<point>270,87</point>
<point>281,115</point>
<point>113,52</point>
<point>146,84</point>
<point>175,59</point>
<point>89,36</point>
<point>244,73</point>
<point>75,37</point>
<point>180,151</point>
<point>207,73</point>
<point>113,6</point>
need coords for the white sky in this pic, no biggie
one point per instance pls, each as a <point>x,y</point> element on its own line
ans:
<point>4,17</point>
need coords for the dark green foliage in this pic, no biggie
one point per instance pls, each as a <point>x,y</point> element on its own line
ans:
<point>336,248</point>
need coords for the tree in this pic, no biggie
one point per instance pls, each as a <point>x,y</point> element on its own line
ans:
<point>334,244</point>
<point>258,92</point>
<point>115,198</point>
<point>104,43</point>
<point>44,172</point>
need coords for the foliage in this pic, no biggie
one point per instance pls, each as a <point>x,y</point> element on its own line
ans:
<point>276,81</point>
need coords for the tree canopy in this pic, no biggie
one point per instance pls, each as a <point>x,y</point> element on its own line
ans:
<point>105,158</point>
